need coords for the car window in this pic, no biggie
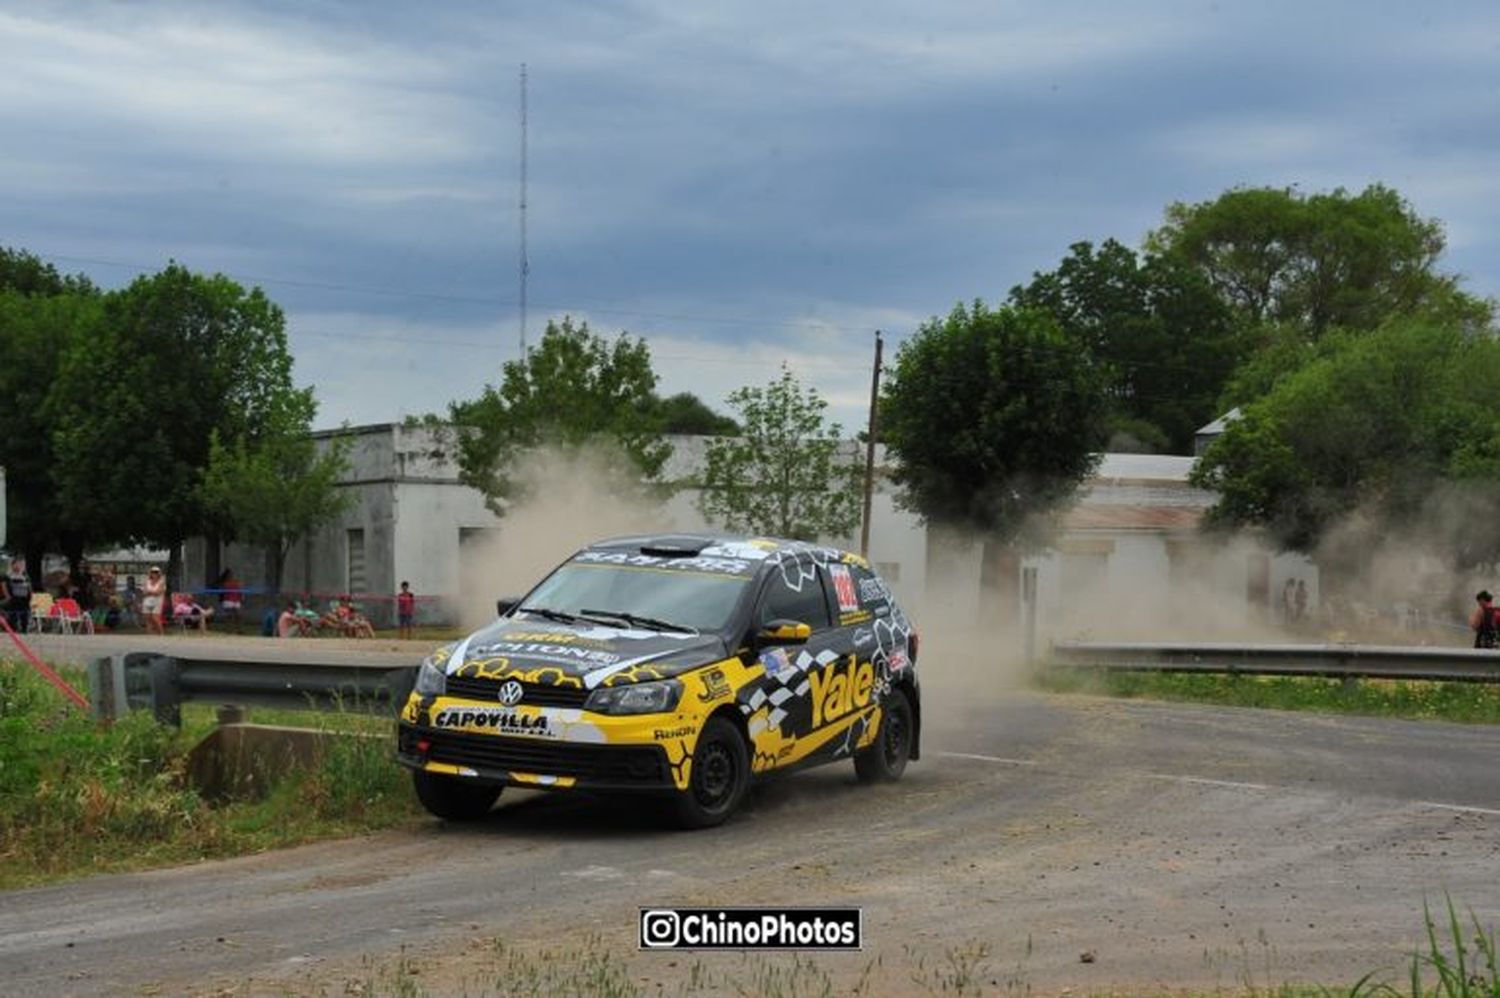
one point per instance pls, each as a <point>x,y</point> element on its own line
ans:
<point>794,596</point>
<point>693,599</point>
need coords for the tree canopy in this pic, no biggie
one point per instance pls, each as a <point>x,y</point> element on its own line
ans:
<point>273,490</point>
<point>572,388</point>
<point>38,330</point>
<point>1384,425</point>
<point>1164,340</point>
<point>685,413</point>
<point>781,475</point>
<point>1317,261</point>
<point>993,415</point>
<point>177,358</point>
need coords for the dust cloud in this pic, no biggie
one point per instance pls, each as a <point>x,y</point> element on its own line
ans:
<point>573,497</point>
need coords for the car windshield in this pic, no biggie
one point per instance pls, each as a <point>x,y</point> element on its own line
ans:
<point>700,600</point>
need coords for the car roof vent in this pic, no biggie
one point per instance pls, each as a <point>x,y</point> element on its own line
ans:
<point>675,547</point>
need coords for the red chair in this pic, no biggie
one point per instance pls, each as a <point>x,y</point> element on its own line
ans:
<point>70,618</point>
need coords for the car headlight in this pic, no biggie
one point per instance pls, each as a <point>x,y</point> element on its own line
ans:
<point>636,698</point>
<point>431,680</point>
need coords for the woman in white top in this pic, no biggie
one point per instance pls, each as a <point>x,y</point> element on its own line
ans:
<point>153,599</point>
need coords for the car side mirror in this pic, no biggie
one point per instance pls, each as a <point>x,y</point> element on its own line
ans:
<point>505,604</point>
<point>783,632</point>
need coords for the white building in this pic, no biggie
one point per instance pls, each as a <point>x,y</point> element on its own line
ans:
<point>1129,550</point>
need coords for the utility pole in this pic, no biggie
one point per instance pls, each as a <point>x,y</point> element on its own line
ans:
<point>864,530</point>
<point>525,264</point>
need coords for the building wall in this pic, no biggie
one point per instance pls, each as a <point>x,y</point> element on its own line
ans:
<point>421,524</point>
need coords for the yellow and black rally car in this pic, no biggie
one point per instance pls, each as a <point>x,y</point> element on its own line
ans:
<point>673,665</point>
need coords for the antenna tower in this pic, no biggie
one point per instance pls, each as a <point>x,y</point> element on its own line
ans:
<point>525,264</point>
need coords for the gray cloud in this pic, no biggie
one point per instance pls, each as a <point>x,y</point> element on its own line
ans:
<point>741,184</point>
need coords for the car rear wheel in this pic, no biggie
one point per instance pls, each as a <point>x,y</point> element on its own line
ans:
<point>452,798</point>
<point>885,759</point>
<point>720,776</point>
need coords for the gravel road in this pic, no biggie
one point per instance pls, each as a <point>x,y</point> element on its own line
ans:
<point>1074,842</point>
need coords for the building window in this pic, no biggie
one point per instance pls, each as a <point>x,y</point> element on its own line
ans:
<point>356,573</point>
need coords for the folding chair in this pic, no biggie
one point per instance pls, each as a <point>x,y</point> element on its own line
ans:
<point>70,617</point>
<point>41,612</point>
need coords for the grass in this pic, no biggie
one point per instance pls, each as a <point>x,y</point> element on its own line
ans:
<point>1473,703</point>
<point>1459,959</point>
<point>79,797</point>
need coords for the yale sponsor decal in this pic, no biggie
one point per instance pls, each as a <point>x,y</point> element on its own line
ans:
<point>499,719</point>
<point>840,689</point>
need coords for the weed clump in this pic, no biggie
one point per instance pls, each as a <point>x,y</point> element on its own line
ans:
<point>78,796</point>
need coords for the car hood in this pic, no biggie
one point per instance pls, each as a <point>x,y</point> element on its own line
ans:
<point>555,653</point>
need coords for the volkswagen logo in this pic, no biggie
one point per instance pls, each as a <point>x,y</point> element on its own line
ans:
<point>511,693</point>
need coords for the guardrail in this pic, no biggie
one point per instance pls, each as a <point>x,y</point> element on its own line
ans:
<point>163,683</point>
<point>1328,660</point>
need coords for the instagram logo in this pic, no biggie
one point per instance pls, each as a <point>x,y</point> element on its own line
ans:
<point>660,928</point>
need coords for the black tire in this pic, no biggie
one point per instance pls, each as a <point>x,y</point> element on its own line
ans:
<point>453,798</point>
<point>885,759</point>
<point>719,778</point>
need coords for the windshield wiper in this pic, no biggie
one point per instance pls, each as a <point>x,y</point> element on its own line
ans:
<point>648,622</point>
<point>557,615</point>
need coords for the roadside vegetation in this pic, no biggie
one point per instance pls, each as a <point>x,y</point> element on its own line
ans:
<point>78,797</point>
<point>1457,958</point>
<point>1470,703</point>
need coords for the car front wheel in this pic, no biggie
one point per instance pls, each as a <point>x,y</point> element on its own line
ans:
<point>885,758</point>
<point>452,798</point>
<point>720,776</point>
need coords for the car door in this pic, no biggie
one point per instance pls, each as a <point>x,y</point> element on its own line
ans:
<point>781,706</point>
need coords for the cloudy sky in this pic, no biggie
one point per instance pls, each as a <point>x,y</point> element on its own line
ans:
<point>741,184</point>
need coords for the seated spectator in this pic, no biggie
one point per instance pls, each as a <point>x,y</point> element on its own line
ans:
<point>189,612</point>
<point>351,622</point>
<point>290,624</point>
<point>308,619</point>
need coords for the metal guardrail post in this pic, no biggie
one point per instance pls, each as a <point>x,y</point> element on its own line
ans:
<point>166,692</point>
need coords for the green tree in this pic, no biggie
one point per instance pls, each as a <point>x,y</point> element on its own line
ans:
<point>275,490</point>
<point>781,475</point>
<point>686,413</point>
<point>1318,261</point>
<point>41,314</point>
<point>571,389</point>
<point>1164,339</point>
<point>29,275</point>
<point>178,357</point>
<point>1388,428</point>
<point>993,415</point>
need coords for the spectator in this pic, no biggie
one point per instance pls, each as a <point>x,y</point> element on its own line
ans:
<point>231,596</point>
<point>289,624</point>
<point>1482,620</point>
<point>130,603</point>
<point>350,621</point>
<point>1300,600</point>
<point>16,589</point>
<point>406,611</point>
<point>189,612</point>
<point>153,600</point>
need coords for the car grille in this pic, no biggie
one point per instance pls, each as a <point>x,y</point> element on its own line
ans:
<point>634,765</point>
<point>535,695</point>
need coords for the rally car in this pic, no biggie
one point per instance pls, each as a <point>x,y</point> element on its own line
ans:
<point>677,666</point>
